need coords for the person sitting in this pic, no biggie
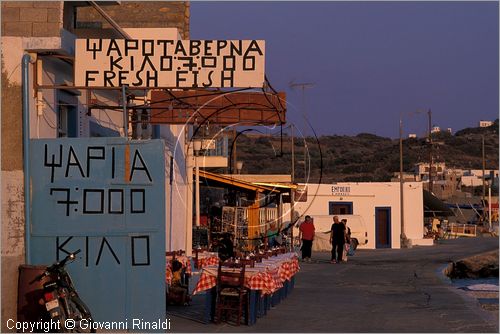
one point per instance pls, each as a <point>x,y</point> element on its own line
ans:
<point>178,292</point>
<point>226,248</point>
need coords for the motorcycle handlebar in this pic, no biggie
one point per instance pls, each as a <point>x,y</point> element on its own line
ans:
<point>70,256</point>
<point>56,266</point>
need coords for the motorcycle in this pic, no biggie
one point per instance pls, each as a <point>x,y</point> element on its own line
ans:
<point>61,299</point>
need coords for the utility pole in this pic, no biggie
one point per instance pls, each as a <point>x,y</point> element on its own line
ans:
<point>303,86</point>
<point>401,183</point>
<point>484,167</point>
<point>293,156</point>
<point>430,151</point>
<point>233,161</point>
<point>292,193</point>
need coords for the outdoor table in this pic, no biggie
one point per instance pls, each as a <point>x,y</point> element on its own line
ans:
<point>268,278</point>
<point>208,259</point>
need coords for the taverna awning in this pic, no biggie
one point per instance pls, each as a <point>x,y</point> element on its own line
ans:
<point>221,180</point>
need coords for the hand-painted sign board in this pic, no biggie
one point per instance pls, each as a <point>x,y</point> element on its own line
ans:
<point>105,196</point>
<point>167,63</point>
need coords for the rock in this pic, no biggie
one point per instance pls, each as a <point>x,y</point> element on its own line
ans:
<point>478,266</point>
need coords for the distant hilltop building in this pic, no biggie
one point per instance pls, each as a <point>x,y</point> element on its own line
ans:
<point>436,129</point>
<point>485,124</point>
<point>448,181</point>
<point>449,130</point>
<point>421,170</point>
<point>412,135</point>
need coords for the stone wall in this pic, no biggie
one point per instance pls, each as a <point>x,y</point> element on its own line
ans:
<point>132,14</point>
<point>32,18</point>
<point>25,25</point>
<point>12,241</point>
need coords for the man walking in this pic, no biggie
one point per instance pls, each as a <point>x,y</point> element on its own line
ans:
<point>337,240</point>
<point>306,233</point>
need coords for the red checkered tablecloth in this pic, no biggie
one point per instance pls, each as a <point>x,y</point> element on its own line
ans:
<point>266,278</point>
<point>208,261</point>
<point>288,269</point>
<point>206,282</point>
<point>254,280</point>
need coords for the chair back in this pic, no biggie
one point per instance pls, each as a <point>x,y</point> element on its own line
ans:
<point>172,254</point>
<point>230,276</point>
<point>248,262</point>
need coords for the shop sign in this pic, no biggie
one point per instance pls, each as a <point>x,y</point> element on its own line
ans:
<point>154,63</point>
<point>341,190</point>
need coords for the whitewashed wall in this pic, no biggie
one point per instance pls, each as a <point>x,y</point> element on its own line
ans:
<point>365,198</point>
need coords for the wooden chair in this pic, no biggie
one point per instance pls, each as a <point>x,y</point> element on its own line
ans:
<point>248,262</point>
<point>196,258</point>
<point>172,254</point>
<point>232,296</point>
<point>257,258</point>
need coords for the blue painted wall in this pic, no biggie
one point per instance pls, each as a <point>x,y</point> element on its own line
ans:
<point>105,196</point>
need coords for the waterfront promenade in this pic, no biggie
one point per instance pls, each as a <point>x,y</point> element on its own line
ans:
<point>384,290</point>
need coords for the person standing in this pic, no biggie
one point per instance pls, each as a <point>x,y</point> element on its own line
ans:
<point>271,235</point>
<point>347,240</point>
<point>306,234</point>
<point>337,240</point>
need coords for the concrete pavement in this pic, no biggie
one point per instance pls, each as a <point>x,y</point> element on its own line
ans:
<point>376,291</point>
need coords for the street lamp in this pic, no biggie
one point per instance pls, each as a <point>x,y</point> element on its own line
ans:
<point>197,149</point>
<point>489,182</point>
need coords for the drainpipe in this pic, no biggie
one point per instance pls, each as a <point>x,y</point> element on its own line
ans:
<point>26,152</point>
<point>125,112</point>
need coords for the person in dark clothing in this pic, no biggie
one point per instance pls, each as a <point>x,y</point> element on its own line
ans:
<point>337,240</point>
<point>226,248</point>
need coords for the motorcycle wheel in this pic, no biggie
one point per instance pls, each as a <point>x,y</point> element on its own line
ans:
<point>81,315</point>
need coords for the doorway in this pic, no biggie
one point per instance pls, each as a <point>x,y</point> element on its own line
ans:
<point>382,227</point>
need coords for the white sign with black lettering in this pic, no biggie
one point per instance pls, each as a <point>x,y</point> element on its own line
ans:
<point>169,63</point>
<point>341,190</point>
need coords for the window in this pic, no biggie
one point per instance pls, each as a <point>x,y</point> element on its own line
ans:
<point>340,208</point>
<point>67,120</point>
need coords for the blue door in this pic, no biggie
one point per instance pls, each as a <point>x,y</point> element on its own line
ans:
<point>105,196</point>
<point>382,227</point>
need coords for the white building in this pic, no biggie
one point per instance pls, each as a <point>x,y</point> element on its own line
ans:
<point>474,177</point>
<point>422,170</point>
<point>435,129</point>
<point>379,205</point>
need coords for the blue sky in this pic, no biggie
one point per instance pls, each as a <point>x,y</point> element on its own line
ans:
<point>371,61</point>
